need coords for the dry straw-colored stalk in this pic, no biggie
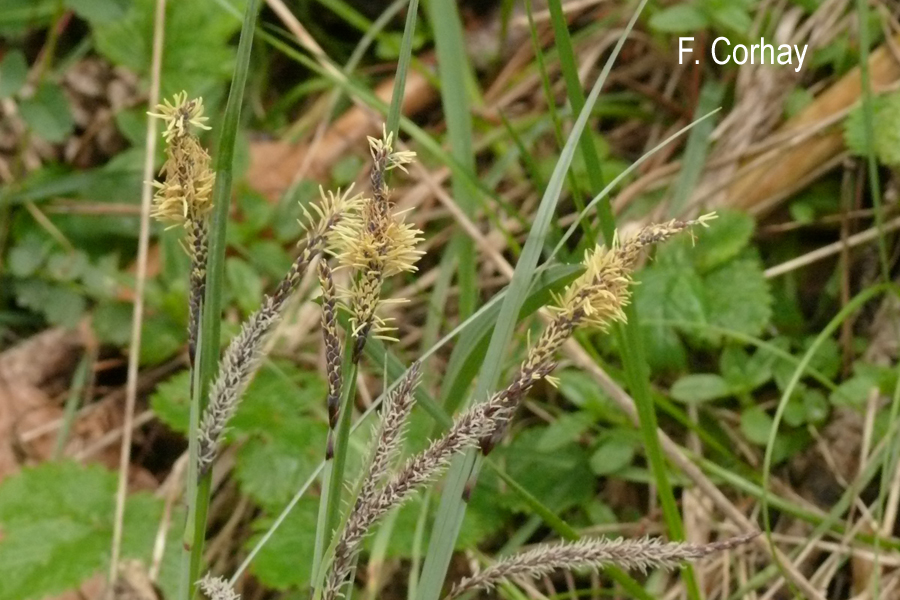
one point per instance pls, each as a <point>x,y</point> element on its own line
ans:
<point>184,197</point>
<point>642,554</point>
<point>244,353</point>
<point>377,246</point>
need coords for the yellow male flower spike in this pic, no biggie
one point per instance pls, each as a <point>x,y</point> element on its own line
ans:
<point>180,113</point>
<point>595,299</point>
<point>384,147</point>
<point>185,195</point>
<point>377,245</point>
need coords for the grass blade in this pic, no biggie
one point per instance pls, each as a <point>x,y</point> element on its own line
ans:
<point>208,346</point>
<point>452,507</point>
<point>454,73</point>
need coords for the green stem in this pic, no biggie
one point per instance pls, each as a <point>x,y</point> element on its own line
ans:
<point>198,487</point>
<point>333,477</point>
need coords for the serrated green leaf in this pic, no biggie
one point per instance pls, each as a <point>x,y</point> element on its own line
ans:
<point>112,323</point>
<point>559,479</point>
<point>244,283</point>
<point>283,438</point>
<point>196,55</point>
<point>744,372</point>
<point>681,18</point>
<point>722,241</point>
<point>613,454</point>
<point>99,11</point>
<point>581,390</point>
<point>170,399</point>
<point>827,359</point>
<point>161,338</point>
<point>26,257</point>
<point>13,72</point>
<point>47,113</point>
<point>56,520</point>
<point>282,563</point>
<point>664,348</point>
<point>696,388</point>
<point>738,297</point>
<point>566,429</point>
<point>272,465</point>
<point>886,129</point>
<point>58,303</point>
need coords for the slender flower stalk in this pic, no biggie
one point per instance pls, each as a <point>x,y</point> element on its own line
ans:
<point>642,554</point>
<point>184,197</point>
<point>595,299</point>
<point>378,246</point>
<point>244,353</point>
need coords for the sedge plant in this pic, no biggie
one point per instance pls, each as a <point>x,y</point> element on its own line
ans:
<point>366,239</point>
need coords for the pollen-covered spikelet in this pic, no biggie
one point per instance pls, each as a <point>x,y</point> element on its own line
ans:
<point>244,353</point>
<point>595,299</point>
<point>378,245</point>
<point>184,196</point>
